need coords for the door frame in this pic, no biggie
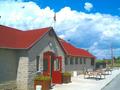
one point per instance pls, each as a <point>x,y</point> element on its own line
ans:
<point>50,57</point>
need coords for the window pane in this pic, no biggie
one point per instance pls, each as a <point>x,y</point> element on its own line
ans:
<point>66,61</point>
<point>76,60</point>
<point>80,60</point>
<point>45,65</point>
<point>56,64</point>
<point>37,63</point>
<point>84,60</point>
<point>92,61</point>
<point>71,61</point>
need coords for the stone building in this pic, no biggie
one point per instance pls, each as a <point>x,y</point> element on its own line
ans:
<point>77,60</point>
<point>23,54</point>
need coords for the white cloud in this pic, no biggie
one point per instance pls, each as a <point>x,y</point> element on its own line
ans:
<point>62,36</point>
<point>24,15</point>
<point>11,0</point>
<point>88,6</point>
<point>92,31</point>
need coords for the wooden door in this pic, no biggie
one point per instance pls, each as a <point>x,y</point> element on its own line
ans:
<point>52,66</point>
<point>57,70</point>
<point>47,64</point>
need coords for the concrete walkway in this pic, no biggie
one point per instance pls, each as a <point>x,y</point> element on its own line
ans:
<point>79,83</point>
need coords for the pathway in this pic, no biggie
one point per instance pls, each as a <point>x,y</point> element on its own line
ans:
<point>79,83</point>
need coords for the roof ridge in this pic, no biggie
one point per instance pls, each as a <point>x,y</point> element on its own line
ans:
<point>11,28</point>
<point>74,51</point>
<point>17,39</point>
<point>38,29</point>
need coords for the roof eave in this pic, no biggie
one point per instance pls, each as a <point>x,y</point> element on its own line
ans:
<point>38,39</point>
<point>80,56</point>
<point>59,41</point>
<point>11,48</point>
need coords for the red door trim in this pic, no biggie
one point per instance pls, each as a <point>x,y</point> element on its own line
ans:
<point>56,75</point>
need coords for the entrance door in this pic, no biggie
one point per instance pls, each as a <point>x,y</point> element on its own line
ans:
<point>57,70</point>
<point>47,59</point>
<point>52,66</point>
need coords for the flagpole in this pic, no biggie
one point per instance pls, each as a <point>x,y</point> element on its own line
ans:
<point>54,20</point>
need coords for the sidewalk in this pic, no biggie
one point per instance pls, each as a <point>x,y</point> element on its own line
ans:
<point>79,83</point>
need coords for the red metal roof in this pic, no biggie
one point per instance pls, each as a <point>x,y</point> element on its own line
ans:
<point>17,39</point>
<point>73,51</point>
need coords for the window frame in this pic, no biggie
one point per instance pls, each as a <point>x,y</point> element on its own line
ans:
<point>71,61</point>
<point>80,60</point>
<point>84,60</point>
<point>66,61</point>
<point>37,63</point>
<point>92,61</point>
<point>76,60</point>
<point>45,65</point>
<point>56,65</point>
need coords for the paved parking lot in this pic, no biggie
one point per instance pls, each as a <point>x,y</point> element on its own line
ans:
<point>79,83</point>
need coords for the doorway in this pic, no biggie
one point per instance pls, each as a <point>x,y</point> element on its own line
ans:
<point>52,66</point>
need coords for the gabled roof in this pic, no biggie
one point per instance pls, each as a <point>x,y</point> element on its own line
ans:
<point>16,39</point>
<point>73,51</point>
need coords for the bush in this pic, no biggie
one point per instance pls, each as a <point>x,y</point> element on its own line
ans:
<point>100,61</point>
<point>117,61</point>
<point>42,77</point>
<point>66,77</point>
<point>66,74</point>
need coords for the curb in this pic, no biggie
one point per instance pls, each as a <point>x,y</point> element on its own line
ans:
<point>110,82</point>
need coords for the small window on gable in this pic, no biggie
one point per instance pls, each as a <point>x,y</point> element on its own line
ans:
<point>37,63</point>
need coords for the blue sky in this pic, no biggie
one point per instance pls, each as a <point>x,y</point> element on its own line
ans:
<point>90,24</point>
<point>102,6</point>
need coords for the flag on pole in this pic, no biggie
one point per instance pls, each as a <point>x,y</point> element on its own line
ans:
<point>55,17</point>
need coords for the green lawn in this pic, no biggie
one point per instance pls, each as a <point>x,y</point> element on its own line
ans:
<point>116,63</point>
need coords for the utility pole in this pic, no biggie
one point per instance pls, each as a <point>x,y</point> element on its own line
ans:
<point>112,59</point>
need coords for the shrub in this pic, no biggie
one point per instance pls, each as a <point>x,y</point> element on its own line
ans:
<point>66,74</point>
<point>42,77</point>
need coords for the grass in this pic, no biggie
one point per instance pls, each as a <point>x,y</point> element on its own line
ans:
<point>100,61</point>
<point>116,63</point>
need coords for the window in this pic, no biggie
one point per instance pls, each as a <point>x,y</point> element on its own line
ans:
<point>76,60</point>
<point>56,65</point>
<point>80,60</point>
<point>71,60</point>
<point>66,61</point>
<point>45,65</point>
<point>84,60</point>
<point>37,63</point>
<point>92,61</point>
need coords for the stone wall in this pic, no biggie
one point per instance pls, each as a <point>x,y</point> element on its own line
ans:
<point>22,73</point>
<point>80,68</point>
<point>38,49</point>
<point>20,65</point>
<point>8,65</point>
<point>10,85</point>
